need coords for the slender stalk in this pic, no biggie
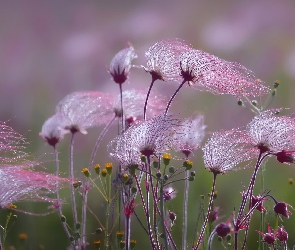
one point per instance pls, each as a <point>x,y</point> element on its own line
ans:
<point>173,96</point>
<point>71,176</point>
<point>122,110</point>
<point>148,217</point>
<point>147,97</point>
<point>201,236</point>
<point>127,232</point>
<point>185,203</point>
<point>64,224</point>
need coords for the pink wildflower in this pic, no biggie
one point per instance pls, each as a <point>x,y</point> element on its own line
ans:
<point>282,234</point>
<point>129,208</point>
<point>281,208</point>
<point>151,137</point>
<point>226,149</point>
<point>169,193</point>
<point>224,228</point>
<point>268,237</point>
<point>258,202</point>
<point>121,64</point>
<point>273,134</point>
<point>207,72</point>
<point>163,59</point>
<point>192,132</point>
<point>53,130</point>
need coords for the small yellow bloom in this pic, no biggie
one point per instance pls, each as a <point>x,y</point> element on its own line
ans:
<point>97,244</point>
<point>97,169</point>
<point>86,172</point>
<point>120,235</point>
<point>104,172</point>
<point>188,164</point>
<point>166,159</point>
<point>23,236</point>
<point>125,178</point>
<point>109,167</point>
<point>12,206</point>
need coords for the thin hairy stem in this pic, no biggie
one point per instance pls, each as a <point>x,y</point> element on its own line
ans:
<point>64,225</point>
<point>71,176</point>
<point>173,96</point>
<point>122,110</point>
<point>201,236</point>
<point>147,97</point>
<point>185,203</point>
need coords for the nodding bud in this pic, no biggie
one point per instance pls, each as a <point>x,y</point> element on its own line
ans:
<point>268,237</point>
<point>98,230</point>
<point>282,209</point>
<point>285,156</point>
<point>121,64</point>
<point>223,229</point>
<point>282,234</point>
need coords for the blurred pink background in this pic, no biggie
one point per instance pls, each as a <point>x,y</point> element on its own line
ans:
<point>49,49</point>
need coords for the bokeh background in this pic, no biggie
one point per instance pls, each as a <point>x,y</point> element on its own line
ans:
<point>49,49</point>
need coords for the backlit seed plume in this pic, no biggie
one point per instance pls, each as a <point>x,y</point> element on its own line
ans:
<point>272,133</point>
<point>192,134</point>
<point>151,137</point>
<point>163,59</point>
<point>121,64</point>
<point>11,144</point>
<point>134,102</point>
<point>85,109</point>
<point>226,149</point>
<point>207,72</point>
<point>53,129</point>
<point>20,183</point>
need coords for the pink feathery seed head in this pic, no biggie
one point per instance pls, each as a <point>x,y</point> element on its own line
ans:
<point>133,104</point>
<point>281,208</point>
<point>281,234</point>
<point>53,129</point>
<point>268,237</point>
<point>207,72</point>
<point>86,109</point>
<point>150,137</point>
<point>19,184</point>
<point>12,144</point>
<point>226,149</point>
<point>192,133</point>
<point>169,193</point>
<point>163,59</point>
<point>272,133</point>
<point>121,64</point>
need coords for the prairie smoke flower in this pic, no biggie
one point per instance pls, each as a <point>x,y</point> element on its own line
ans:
<point>273,134</point>
<point>169,193</point>
<point>281,208</point>
<point>258,202</point>
<point>85,109</point>
<point>11,144</point>
<point>151,137</point>
<point>207,72</point>
<point>282,234</point>
<point>19,184</point>
<point>268,237</point>
<point>226,149</point>
<point>192,134</point>
<point>163,59</point>
<point>224,228</point>
<point>121,64</point>
<point>133,104</point>
<point>53,129</point>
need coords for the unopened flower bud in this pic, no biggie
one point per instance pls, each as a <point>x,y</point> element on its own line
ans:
<point>122,244</point>
<point>119,235</point>
<point>86,172</point>
<point>104,172</point>
<point>109,167</point>
<point>98,230</point>
<point>171,170</point>
<point>188,164</point>
<point>132,244</point>
<point>97,169</point>
<point>166,159</point>
<point>63,218</point>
